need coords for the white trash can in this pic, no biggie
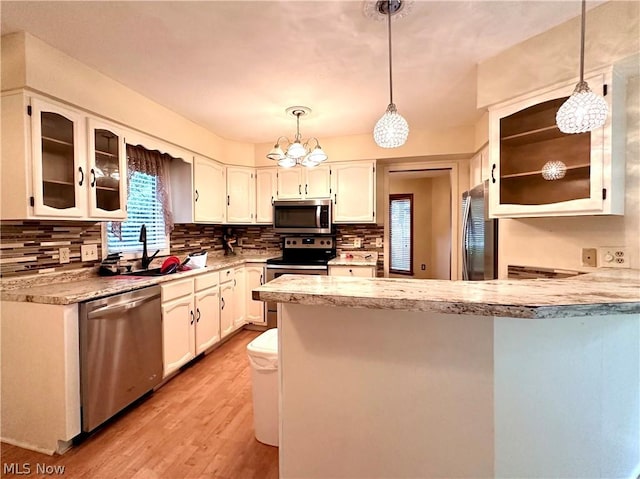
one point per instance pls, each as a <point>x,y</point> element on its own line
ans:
<point>263,358</point>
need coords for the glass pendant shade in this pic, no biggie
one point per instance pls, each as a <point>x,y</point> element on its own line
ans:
<point>296,150</point>
<point>317,155</point>
<point>583,111</point>
<point>287,162</point>
<point>554,170</point>
<point>276,153</point>
<point>392,130</point>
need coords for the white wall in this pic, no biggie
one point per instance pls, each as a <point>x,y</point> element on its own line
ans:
<point>440,228</point>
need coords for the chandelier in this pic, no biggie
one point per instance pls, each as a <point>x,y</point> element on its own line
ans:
<point>391,130</point>
<point>584,110</point>
<point>297,151</point>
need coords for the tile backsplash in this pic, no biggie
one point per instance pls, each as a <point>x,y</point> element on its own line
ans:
<point>28,247</point>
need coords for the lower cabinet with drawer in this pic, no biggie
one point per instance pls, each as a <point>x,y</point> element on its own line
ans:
<point>190,319</point>
<point>355,271</point>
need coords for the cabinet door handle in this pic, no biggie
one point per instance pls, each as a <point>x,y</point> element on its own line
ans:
<point>261,280</point>
<point>81,176</point>
<point>198,316</point>
<point>305,189</point>
<point>197,195</point>
<point>234,282</point>
<point>351,271</point>
<point>228,200</point>
<point>93,178</point>
<point>192,317</point>
<point>222,301</point>
<point>335,199</point>
<point>272,201</point>
<point>299,189</point>
<point>493,179</point>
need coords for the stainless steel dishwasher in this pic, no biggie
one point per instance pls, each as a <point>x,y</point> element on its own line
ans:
<point>120,352</point>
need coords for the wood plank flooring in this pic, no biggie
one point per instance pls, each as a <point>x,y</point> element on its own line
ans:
<point>198,425</point>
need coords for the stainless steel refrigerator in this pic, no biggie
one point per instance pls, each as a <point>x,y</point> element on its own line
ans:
<point>479,236</point>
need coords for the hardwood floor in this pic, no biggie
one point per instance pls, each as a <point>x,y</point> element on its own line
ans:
<point>200,424</point>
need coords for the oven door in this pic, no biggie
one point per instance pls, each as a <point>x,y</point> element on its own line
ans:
<point>275,271</point>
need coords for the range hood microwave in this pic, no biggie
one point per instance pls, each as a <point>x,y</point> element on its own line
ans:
<point>302,217</point>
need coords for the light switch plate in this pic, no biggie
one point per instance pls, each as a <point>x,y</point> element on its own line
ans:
<point>357,243</point>
<point>378,242</point>
<point>89,252</point>
<point>614,257</point>
<point>589,257</point>
<point>65,254</point>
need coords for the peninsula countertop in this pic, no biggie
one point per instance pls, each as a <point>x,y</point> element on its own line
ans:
<point>75,287</point>
<point>602,292</point>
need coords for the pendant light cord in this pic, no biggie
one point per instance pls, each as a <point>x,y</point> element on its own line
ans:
<point>584,9</point>
<point>390,63</point>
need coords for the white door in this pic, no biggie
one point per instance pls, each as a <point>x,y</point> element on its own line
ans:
<point>254,277</point>
<point>207,318</point>
<point>178,333</point>
<point>290,183</point>
<point>240,195</point>
<point>354,192</point>
<point>60,175</point>
<point>265,194</point>
<point>209,191</point>
<point>317,182</point>
<point>107,170</point>
<point>226,308</point>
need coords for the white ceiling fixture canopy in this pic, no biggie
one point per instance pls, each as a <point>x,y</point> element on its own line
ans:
<point>298,153</point>
<point>391,130</point>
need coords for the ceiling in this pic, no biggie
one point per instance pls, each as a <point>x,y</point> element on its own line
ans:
<point>235,66</point>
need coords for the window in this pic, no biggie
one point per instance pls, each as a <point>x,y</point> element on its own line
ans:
<point>401,233</point>
<point>147,204</point>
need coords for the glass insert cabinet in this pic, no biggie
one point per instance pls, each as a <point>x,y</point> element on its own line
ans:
<point>524,138</point>
<point>78,164</point>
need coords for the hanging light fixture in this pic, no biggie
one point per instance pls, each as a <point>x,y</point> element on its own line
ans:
<point>297,152</point>
<point>554,170</point>
<point>392,130</point>
<point>584,110</point>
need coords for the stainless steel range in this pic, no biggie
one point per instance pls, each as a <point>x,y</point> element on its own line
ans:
<point>300,255</point>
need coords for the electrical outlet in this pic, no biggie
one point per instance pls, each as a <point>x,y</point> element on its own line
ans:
<point>613,257</point>
<point>357,243</point>
<point>378,242</point>
<point>89,252</point>
<point>64,255</point>
<point>589,257</point>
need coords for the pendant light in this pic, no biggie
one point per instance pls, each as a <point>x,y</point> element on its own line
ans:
<point>391,130</point>
<point>554,170</point>
<point>584,110</point>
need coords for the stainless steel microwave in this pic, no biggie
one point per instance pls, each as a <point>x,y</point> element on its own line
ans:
<point>302,216</point>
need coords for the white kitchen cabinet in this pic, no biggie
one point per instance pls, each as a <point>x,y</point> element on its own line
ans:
<point>241,202</point>
<point>190,318</point>
<point>479,167</point>
<point>209,191</point>
<point>266,189</point>
<point>207,312</point>
<point>178,318</point>
<point>239,299</point>
<point>353,271</point>
<point>57,162</point>
<point>254,277</point>
<point>523,136</point>
<point>304,183</point>
<point>227,302</point>
<point>353,186</point>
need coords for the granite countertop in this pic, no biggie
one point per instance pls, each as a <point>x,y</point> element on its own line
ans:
<point>602,292</point>
<point>355,258</point>
<point>75,287</point>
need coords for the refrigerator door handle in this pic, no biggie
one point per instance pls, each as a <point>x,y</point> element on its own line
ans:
<point>466,207</point>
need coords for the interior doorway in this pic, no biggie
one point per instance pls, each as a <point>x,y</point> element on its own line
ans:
<point>434,218</point>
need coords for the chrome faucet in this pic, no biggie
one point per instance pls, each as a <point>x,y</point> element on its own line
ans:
<point>146,260</point>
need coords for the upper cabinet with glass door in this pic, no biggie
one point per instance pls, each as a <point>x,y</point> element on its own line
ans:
<point>525,141</point>
<point>58,166</point>
<point>107,166</point>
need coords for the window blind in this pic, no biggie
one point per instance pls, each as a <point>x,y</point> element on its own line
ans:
<point>142,208</point>
<point>401,234</point>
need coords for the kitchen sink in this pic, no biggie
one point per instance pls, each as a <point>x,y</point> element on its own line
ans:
<point>145,272</point>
